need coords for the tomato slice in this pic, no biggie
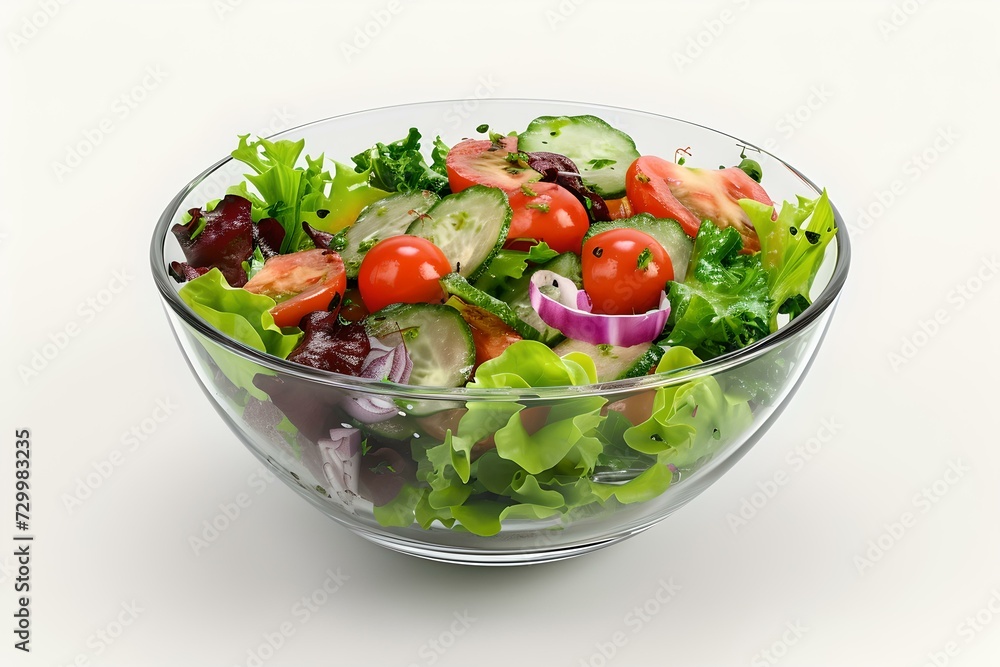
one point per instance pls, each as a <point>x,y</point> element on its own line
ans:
<point>479,161</point>
<point>668,190</point>
<point>619,209</point>
<point>302,282</point>
<point>489,333</point>
<point>546,212</point>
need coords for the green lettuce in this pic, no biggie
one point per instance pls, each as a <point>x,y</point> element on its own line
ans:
<point>509,265</point>
<point>294,195</point>
<point>242,316</point>
<point>792,248</point>
<point>400,166</point>
<point>691,420</point>
<point>545,473</point>
<point>724,304</point>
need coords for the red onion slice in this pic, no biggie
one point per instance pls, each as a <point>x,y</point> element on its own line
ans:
<point>341,457</point>
<point>571,314</point>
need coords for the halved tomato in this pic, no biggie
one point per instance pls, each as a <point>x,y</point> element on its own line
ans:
<point>668,190</point>
<point>301,282</point>
<point>480,161</point>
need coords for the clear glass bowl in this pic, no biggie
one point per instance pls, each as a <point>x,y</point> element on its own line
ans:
<point>765,374</point>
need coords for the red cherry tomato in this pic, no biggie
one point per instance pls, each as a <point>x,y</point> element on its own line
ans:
<point>624,271</point>
<point>668,190</point>
<point>478,161</point>
<point>402,269</point>
<point>546,212</point>
<point>302,282</point>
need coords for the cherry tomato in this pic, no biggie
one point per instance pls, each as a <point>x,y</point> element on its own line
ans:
<point>624,271</point>
<point>668,190</point>
<point>478,161</point>
<point>301,282</point>
<point>546,212</point>
<point>402,269</point>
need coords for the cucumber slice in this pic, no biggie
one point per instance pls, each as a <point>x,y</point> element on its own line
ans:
<point>469,226</point>
<point>668,232</point>
<point>567,265</point>
<point>599,151</point>
<point>386,217</point>
<point>437,338</point>
<point>456,285</point>
<point>614,362</point>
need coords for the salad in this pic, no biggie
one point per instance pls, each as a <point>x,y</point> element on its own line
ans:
<point>557,256</point>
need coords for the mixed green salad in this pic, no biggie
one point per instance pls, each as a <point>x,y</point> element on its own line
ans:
<point>558,256</point>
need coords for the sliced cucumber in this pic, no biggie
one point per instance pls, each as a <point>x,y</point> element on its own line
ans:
<point>386,217</point>
<point>567,265</point>
<point>437,338</point>
<point>599,151</point>
<point>469,226</point>
<point>614,362</point>
<point>668,232</point>
<point>456,285</point>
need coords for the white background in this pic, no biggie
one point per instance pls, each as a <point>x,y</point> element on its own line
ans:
<point>852,93</point>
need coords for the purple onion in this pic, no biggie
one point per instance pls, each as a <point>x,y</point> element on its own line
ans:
<point>341,456</point>
<point>571,314</point>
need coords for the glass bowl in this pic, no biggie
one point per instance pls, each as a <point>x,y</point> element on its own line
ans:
<point>285,418</point>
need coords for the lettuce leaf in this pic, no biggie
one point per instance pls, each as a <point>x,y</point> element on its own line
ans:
<point>243,316</point>
<point>689,421</point>
<point>792,248</point>
<point>400,166</point>
<point>724,303</point>
<point>294,195</point>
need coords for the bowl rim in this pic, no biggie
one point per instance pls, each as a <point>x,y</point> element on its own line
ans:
<point>823,302</point>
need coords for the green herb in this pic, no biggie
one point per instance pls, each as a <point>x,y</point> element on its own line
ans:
<point>482,129</point>
<point>400,167</point>
<point>601,163</point>
<point>642,263</point>
<point>528,192</point>
<point>538,206</point>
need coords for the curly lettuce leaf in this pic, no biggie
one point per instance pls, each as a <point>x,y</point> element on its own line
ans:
<point>689,421</point>
<point>724,303</point>
<point>243,316</point>
<point>509,265</point>
<point>400,166</point>
<point>293,195</point>
<point>792,248</point>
